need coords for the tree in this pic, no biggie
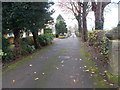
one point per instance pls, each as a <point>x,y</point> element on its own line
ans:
<point>75,8</point>
<point>60,25</point>
<point>84,31</point>
<point>80,10</point>
<point>98,8</point>
<point>23,16</point>
<point>39,16</point>
<point>14,16</point>
<point>47,30</point>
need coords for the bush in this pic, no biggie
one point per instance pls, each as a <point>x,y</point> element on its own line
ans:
<point>7,52</point>
<point>45,39</point>
<point>47,30</point>
<point>99,40</point>
<point>26,48</point>
<point>105,46</point>
<point>8,55</point>
<point>96,37</point>
<point>5,43</point>
<point>28,40</point>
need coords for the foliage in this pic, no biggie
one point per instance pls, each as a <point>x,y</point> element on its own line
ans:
<point>5,43</point>
<point>60,25</point>
<point>45,39</point>
<point>25,16</point>
<point>8,55</point>
<point>105,45</point>
<point>77,33</point>
<point>113,78</point>
<point>29,40</point>
<point>47,30</point>
<point>7,51</point>
<point>26,48</point>
<point>95,37</point>
<point>100,41</point>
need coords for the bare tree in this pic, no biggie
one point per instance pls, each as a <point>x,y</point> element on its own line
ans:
<point>80,10</point>
<point>75,8</point>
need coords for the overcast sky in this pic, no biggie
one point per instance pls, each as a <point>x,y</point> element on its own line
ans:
<point>110,15</point>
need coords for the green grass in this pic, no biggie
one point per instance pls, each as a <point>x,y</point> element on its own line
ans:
<point>91,66</point>
<point>23,60</point>
<point>97,78</point>
<point>113,78</point>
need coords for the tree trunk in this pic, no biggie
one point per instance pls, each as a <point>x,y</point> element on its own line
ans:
<point>98,9</point>
<point>79,24</point>
<point>17,50</point>
<point>99,17</point>
<point>84,30</point>
<point>36,41</point>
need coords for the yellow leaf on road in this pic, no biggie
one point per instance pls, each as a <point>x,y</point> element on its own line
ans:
<point>35,72</point>
<point>30,65</point>
<point>36,78</point>
<point>43,73</point>
<point>13,81</point>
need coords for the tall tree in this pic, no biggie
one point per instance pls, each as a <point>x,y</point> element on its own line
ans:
<point>84,15</point>
<point>13,20</point>
<point>80,10</point>
<point>98,8</point>
<point>39,16</point>
<point>75,8</point>
<point>60,25</point>
<point>19,16</point>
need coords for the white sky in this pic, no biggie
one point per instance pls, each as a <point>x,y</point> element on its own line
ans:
<point>110,15</point>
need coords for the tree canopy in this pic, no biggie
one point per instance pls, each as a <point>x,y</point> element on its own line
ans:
<point>60,25</point>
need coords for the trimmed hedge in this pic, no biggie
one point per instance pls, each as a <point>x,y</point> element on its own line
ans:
<point>98,39</point>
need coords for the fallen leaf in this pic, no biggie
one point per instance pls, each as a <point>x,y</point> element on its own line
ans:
<point>105,71</point>
<point>111,84</point>
<point>30,65</point>
<point>35,72</point>
<point>43,73</point>
<point>13,81</point>
<point>36,78</point>
<point>92,72</point>
<point>80,59</point>
<point>57,68</point>
<point>105,80</point>
<point>74,81</point>
<point>62,61</point>
<point>87,70</point>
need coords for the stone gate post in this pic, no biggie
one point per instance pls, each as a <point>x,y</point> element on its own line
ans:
<point>114,50</point>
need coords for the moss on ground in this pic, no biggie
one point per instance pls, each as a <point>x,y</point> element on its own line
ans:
<point>113,78</point>
<point>23,60</point>
<point>49,68</point>
<point>91,66</point>
<point>93,70</point>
